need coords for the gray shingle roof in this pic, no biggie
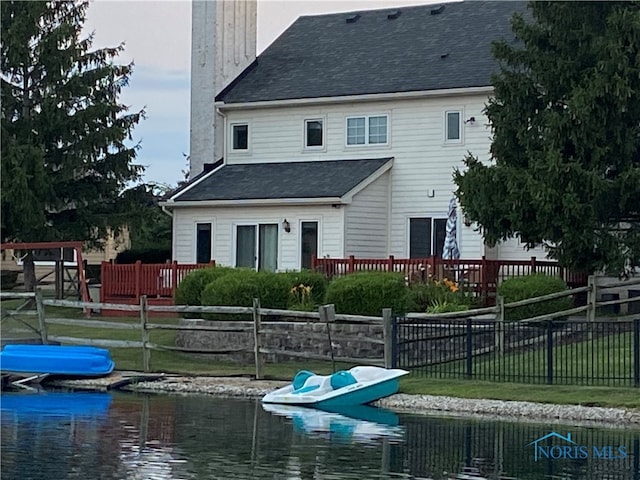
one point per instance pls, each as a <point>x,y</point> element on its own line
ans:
<point>319,179</point>
<point>324,56</point>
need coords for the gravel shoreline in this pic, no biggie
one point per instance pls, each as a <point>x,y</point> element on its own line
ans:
<point>418,404</point>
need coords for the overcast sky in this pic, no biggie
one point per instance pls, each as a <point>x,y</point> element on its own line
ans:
<point>157,34</point>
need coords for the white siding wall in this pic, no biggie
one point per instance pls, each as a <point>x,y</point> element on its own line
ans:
<point>423,162</point>
<point>513,249</point>
<point>367,220</point>
<point>330,224</point>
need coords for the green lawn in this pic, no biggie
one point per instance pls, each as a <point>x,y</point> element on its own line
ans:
<point>609,357</point>
<point>176,362</point>
<point>561,394</point>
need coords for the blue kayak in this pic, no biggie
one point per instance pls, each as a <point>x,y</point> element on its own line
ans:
<point>56,360</point>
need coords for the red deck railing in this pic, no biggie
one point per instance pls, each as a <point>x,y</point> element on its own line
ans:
<point>480,276</point>
<point>130,281</point>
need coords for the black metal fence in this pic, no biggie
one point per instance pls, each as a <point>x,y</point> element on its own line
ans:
<point>575,352</point>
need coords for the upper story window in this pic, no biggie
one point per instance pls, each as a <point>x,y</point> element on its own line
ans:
<point>240,136</point>
<point>371,130</point>
<point>313,133</point>
<point>453,126</point>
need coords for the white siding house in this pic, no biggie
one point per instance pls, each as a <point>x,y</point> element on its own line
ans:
<point>334,148</point>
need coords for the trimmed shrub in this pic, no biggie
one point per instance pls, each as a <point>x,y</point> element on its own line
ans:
<point>530,286</point>
<point>367,293</point>
<point>317,281</point>
<point>147,255</point>
<point>191,287</point>
<point>273,290</point>
<point>241,286</point>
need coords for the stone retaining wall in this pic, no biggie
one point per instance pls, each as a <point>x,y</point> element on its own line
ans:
<point>349,340</point>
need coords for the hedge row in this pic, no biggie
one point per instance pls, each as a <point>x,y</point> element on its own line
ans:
<point>365,293</point>
<point>238,287</point>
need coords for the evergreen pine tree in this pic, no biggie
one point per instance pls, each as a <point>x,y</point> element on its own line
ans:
<point>565,117</point>
<point>65,151</point>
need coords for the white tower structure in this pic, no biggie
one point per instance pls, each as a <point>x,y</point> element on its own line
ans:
<point>223,44</point>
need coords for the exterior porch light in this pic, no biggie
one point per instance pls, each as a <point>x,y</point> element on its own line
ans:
<point>286,226</point>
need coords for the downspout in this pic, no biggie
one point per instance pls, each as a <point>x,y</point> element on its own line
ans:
<point>173,231</point>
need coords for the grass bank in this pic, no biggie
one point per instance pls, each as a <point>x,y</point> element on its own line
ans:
<point>559,394</point>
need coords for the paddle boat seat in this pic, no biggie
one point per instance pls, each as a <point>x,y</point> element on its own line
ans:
<point>342,379</point>
<point>305,381</point>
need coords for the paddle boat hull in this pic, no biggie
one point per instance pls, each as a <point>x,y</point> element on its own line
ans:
<point>84,361</point>
<point>358,386</point>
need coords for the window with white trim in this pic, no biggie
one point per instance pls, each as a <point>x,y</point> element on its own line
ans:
<point>426,236</point>
<point>240,136</point>
<point>203,242</point>
<point>313,133</point>
<point>367,130</point>
<point>453,126</point>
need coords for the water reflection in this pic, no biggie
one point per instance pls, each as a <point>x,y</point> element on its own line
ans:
<point>359,424</point>
<point>128,436</point>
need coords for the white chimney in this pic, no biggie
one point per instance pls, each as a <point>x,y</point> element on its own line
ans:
<point>223,44</point>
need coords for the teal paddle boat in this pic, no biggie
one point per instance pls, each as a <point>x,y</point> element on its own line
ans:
<point>358,386</point>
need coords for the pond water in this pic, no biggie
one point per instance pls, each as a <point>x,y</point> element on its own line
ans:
<point>58,436</point>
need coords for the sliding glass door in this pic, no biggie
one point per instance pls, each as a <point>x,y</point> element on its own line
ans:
<point>246,246</point>
<point>257,246</point>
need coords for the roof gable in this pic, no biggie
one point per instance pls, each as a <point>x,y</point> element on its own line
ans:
<point>421,48</point>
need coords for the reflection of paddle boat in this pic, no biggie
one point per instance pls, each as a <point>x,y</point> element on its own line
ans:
<point>32,406</point>
<point>357,423</point>
<point>357,386</point>
<point>84,361</point>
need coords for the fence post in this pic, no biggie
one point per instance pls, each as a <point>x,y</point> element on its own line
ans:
<point>387,332</point>
<point>533,265</point>
<point>138,268</point>
<point>174,278</point>
<point>59,279</point>
<point>327,315</point>
<point>550,352</point>
<point>499,335</point>
<point>636,352</point>
<point>390,263</point>
<point>484,281</point>
<point>592,301</point>
<point>469,369</point>
<point>351,264</point>
<point>257,319</point>
<point>41,319</point>
<point>105,281</point>
<point>146,352</point>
